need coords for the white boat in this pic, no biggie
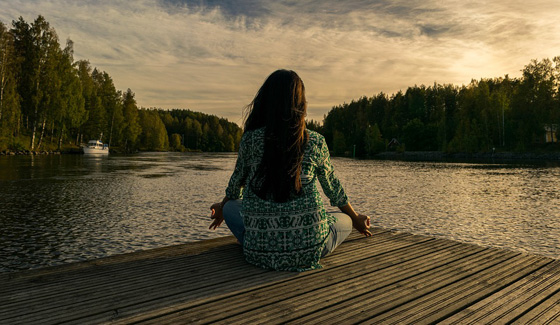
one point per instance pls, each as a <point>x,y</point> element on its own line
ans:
<point>96,147</point>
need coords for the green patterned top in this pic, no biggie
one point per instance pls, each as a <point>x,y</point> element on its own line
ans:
<point>287,236</point>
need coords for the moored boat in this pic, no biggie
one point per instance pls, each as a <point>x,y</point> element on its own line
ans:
<point>96,147</point>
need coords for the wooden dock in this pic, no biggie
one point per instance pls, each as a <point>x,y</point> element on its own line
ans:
<point>390,278</point>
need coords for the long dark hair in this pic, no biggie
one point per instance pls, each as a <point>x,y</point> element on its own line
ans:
<point>280,107</point>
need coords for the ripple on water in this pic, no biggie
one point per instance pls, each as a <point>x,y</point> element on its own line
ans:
<point>79,209</point>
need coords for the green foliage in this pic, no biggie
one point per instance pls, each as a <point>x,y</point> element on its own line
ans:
<point>199,131</point>
<point>48,88</point>
<point>374,142</point>
<point>154,135</point>
<point>16,146</point>
<point>417,136</point>
<point>175,143</point>
<point>503,113</point>
<point>339,143</point>
<point>47,100</point>
<point>133,127</point>
<point>43,92</point>
<point>9,98</point>
<point>39,53</point>
<point>412,134</point>
<point>313,125</point>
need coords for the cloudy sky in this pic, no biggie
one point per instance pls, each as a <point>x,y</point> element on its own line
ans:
<point>212,56</point>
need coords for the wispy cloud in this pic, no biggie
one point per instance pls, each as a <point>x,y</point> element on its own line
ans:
<point>213,55</point>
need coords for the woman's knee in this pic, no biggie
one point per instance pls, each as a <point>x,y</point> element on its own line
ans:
<point>343,222</point>
<point>339,231</point>
<point>232,210</point>
<point>233,219</point>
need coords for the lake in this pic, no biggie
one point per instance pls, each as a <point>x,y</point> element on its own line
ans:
<point>58,209</point>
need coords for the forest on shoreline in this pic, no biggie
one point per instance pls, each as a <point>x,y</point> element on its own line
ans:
<point>486,116</point>
<point>49,102</point>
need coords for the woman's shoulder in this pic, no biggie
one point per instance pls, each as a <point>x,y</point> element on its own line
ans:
<point>252,134</point>
<point>315,138</point>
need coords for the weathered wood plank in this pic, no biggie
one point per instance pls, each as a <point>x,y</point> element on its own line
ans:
<point>85,303</point>
<point>313,302</point>
<point>445,301</point>
<point>513,301</point>
<point>187,249</point>
<point>546,312</point>
<point>325,279</point>
<point>380,298</point>
<point>259,314</point>
<point>249,283</point>
<point>124,290</point>
<point>109,278</point>
<point>138,261</point>
<point>391,277</point>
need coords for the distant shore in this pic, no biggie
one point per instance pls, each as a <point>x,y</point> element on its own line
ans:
<point>40,152</point>
<point>388,155</point>
<point>29,153</point>
<point>438,155</point>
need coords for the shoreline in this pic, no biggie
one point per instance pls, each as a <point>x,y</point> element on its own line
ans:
<point>40,152</point>
<point>442,156</point>
<point>387,155</point>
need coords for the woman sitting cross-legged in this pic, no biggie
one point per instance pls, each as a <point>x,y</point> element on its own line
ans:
<point>272,204</point>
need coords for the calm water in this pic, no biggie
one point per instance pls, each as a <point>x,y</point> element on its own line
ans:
<point>60,209</point>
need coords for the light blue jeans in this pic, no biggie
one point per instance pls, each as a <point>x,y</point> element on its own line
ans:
<point>338,231</point>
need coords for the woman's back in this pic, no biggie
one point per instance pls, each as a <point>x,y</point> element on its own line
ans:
<point>286,235</point>
<point>272,204</point>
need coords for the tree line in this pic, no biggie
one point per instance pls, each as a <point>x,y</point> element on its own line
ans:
<point>48,101</point>
<point>517,114</point>
<point>198,131</point>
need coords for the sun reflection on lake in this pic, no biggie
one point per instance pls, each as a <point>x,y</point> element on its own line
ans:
<point>60,209</point>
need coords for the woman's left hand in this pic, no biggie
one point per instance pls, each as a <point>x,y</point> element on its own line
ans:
<point>359,221</point>
<point>217,215</point>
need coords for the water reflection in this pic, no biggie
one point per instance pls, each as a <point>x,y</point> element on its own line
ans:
<point>488,204</point>
<point>59,209</point>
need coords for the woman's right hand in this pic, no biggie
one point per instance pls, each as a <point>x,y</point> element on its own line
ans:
<point>362,223</point>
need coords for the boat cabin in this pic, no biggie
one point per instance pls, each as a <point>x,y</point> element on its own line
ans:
<point>96,144</point>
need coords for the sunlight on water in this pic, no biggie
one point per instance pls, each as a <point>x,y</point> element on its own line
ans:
<point>60,209</point>
<point>495,205</point>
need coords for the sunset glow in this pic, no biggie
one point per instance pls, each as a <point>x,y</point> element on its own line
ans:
<point>211,56</point>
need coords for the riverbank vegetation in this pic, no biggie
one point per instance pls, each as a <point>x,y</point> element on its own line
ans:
<point>487,115</point>
<point>49,102</point>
